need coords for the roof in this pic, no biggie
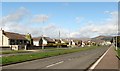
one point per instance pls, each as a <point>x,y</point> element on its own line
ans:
<point>77,40</point>
<point>37,38</point>
<point>12,35</point>
<point>46,38</point>
<point>56,40</point>
<point>65,40</point>
<point>97,40</point>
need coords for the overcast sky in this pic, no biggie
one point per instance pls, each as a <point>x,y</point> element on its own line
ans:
<point>72,19</point>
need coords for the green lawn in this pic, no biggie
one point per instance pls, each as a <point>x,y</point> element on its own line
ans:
<point>26,57</point>
<point>12,52</point>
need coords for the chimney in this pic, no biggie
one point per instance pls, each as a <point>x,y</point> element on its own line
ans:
<point>1,36</point>
<point>1,31</point>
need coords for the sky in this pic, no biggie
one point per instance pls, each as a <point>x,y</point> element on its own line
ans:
<point>72,19</point>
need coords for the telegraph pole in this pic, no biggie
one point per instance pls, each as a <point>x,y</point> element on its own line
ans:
<point>42,42</point>
<point>59,38</point>
<point>43,33</point>
<point>116,42</point>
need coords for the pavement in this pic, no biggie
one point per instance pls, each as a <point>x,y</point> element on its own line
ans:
<point>77,60</point>
<point>109,61</point>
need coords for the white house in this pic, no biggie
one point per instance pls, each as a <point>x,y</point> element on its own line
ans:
<point>39,41</point>
<point>73,43</point>
<point>13,40</point>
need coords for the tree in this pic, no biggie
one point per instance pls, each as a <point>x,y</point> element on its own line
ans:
<point>29,38</point>
<point>118,41</point>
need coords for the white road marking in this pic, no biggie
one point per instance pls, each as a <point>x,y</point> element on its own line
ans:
<point>69,59</point>
<point>54,64</point>
<point>96,63</point>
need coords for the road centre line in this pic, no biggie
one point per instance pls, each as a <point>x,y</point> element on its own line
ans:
<point>54,64</point>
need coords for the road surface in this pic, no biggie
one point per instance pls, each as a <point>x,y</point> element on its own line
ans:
<point>77,60</point>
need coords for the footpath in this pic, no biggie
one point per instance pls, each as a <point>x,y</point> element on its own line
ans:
<point>109,61</point>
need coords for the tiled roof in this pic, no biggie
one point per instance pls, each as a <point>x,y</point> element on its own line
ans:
<point>97,40</point>
<point>46,38</point>
<point>12,35</point>
<point>36,38</point>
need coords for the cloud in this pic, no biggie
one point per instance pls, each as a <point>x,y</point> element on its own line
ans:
<point>13,17</point>
<point>40,18</point>
<point>108,27</point>
<point>78,19</point>
<point>49,27</point>
<point>12,22</point>
<point>52,30</point>
<point>106,12</point>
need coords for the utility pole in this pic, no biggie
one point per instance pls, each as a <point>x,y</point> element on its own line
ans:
<point>69,40</point>
<point>43,33</point>
<point>59,38</point>
<point>116,42</point>
<point>42,42</point>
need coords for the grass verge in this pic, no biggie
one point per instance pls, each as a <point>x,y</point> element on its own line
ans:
<point>12,52</point>
<point>118,51</point>
<point>27,57</point>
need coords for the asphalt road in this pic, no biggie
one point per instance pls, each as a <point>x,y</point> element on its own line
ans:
<point>77,60</point>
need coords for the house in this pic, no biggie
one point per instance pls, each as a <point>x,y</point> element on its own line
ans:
<point>42,41</point>
<point>83,44</point>
<point>98,41</point>
<point>36,41</point>
<point>56,41</point>
<point>88,43</point>
<point>65,41</point>
<point>71,42</point>
<point>76,42</point>
<point>12,40</point>
<point>108,43</point>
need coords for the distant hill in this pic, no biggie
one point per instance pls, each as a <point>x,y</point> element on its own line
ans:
<point>106,38</point>
<point>83,39</point>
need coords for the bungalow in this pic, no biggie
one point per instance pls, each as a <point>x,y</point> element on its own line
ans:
<point>99,42</point>
<point>76,42</point>
<point>56,41</point>
<point>12,40</point>
<point>71,42</point>
<point>66,41</point>
<point>42,41</point>
<point>88,43</point>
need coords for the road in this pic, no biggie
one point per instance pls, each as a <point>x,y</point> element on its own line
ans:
<point>77,60</point>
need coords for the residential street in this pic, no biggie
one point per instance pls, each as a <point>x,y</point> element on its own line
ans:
<point>78,60</point>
